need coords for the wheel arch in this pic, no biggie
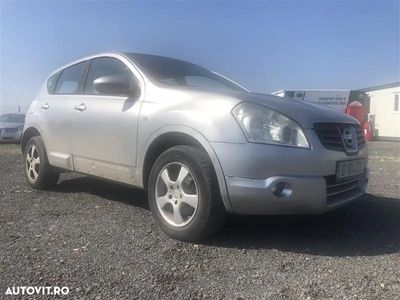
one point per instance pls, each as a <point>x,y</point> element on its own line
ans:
<point>166,138</point>
<point>29,133</point>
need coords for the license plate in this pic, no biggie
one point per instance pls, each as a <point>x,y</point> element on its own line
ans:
<point>349,168</point>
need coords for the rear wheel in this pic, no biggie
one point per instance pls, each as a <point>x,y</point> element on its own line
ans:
<point>184,194</point>
<point>38,172</point>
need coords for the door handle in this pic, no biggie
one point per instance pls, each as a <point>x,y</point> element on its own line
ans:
<point>45,106</point>
<point>80,107</point>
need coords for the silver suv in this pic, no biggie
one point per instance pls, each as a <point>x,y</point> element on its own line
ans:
<point>199,143</point>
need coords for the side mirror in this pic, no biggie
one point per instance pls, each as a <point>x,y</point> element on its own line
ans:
<point>118,85</point>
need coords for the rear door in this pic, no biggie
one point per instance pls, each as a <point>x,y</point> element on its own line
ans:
<point>105,126</point>
<point>57,113</point>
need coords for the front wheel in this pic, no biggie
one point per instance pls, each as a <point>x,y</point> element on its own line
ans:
<point>184,194</point>
<point>38,172</point>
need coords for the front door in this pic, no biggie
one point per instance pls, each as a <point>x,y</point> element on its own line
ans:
<point>104,131</point>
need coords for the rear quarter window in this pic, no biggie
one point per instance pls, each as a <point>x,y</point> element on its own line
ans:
<point>70,79</point>
<point>51,83</point>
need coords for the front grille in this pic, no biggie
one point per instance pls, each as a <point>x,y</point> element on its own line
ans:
<point>330,135</point>
<point>337,191</point>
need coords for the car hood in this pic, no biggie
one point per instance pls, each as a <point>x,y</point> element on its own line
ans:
<point>303,112</point>
<point>9,124</point>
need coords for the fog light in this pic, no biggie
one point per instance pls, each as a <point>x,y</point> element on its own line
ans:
<point>282,189</point>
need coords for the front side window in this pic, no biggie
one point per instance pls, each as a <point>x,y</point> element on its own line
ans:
<point>69,80</point>
<point>106,66</point>
<point>396,102</point>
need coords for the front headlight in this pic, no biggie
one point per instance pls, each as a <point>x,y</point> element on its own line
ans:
<point>263,125</point>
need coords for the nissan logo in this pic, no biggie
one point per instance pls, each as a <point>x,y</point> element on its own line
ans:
<point>348,137</point>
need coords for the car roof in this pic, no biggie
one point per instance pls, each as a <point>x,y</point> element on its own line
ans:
<point>128,55</point>
<point>133,55</point>
<point>76,61</point>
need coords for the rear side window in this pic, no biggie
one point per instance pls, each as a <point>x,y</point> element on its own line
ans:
<point>69,80</point>
<point>51,83</point>
<point>106,66</point>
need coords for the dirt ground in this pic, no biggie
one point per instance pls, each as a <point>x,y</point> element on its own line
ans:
<point>100,240</point>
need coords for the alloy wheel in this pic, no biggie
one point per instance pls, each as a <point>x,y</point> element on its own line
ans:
<point>32,163</point>
<point>177,195</point>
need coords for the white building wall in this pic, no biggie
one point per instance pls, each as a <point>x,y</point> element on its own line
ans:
<point>387,120</point>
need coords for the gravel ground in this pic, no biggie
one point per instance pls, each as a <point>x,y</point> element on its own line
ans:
<point>100,240</point>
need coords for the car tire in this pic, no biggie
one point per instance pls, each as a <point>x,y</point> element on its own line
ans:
<point>38,172</point>
<point>171,210</point>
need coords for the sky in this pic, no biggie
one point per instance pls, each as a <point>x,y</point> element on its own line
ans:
<point>263,45</point>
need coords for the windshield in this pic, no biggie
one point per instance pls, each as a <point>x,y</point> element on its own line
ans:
<point>176,72</point>
<point>12,118</point>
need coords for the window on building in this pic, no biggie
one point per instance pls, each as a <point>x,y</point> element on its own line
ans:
<point>289,94</point>
<point>396,102</point>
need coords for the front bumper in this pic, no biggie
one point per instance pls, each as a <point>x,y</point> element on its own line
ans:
<point>302,194</point>
<point>252,172</point>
